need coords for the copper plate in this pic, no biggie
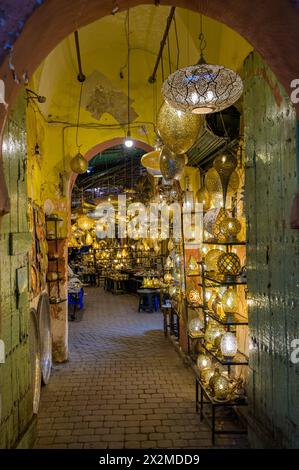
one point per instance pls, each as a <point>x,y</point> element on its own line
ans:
<point>34,352</point>
<point>44,324</point>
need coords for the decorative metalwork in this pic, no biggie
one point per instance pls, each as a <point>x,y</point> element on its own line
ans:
<point>225,165</point>
<point>178,130</point>
<point>229,264</point>
<point>171,165</point>
<point>202,88</point>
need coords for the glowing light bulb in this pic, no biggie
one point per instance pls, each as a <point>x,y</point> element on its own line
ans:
<point>194,98</point>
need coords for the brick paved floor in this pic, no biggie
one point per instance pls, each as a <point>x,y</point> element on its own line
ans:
<point>123,387</point>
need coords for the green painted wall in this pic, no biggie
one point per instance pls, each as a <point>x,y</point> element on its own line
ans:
<point>272,258</point>
<point>15,242</point>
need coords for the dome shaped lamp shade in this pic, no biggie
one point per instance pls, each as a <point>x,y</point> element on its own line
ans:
<point>202,88</point>
<point>225,166</point>
<point>178,130</point>
<point>228,345</point>
<point>78,164</point>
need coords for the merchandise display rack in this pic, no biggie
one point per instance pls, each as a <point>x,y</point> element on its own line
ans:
<point>54,260</point>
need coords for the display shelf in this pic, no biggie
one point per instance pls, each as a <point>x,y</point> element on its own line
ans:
<point>53,219</point>
<point>237,319</point>
<point>237,401</point>
<point>189,304</point>
<point>238,360</point>
<point>229,243</point>
<point>218,282</point>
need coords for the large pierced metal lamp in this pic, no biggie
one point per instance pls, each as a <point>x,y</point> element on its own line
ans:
<point>202,88</point>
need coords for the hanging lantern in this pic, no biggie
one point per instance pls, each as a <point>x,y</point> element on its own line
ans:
<point>221,388</point>
<point>203,197</point>
<point>172,291</point>
<point>229,265</point>
<point>209,220</point>
<point>195,327</point>
<point>168,263</point>
<point>222,215</point>
<point>194,297</point>
<point>170,245</point>
<point>230,303</point>
<point>211,259</point>
<point>151,161</point>
<point>84,222</point>
<point>89,239</point>
<point>192,266</point>
<point>203,362</point>
<point>202,88</point>
<point>168,278</point>
<point>225,165</point>
<point>229,228</point>
<point>229,345</point>
<point>178,130</point>
<point>171,165</point>
<point>214,187</point>
<point>78,164</point>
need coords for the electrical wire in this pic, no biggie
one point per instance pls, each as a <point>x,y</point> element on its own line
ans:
<point>78,117</point>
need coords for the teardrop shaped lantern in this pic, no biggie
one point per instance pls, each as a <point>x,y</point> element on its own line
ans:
<point>178,130</point>
<point>225,165</point>
<point>78,164</point>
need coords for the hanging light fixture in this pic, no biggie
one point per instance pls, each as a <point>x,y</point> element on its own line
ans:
<point>202,88</point>
<point>128,140</point>
<point>78,163</point>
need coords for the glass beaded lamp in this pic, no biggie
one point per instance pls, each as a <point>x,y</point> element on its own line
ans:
<point>195,327</point>
<point>177,129</point>
<point>221,388</point>
<point>229,345</point>
<point>203,362</point>
<point>194,296</point>
<point>229,265</point>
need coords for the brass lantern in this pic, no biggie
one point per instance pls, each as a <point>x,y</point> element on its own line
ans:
<point>78,164</point>
<point>229,265</point>
<point>171,164</point>
<point>229,228</point>
<point>178,130</point>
